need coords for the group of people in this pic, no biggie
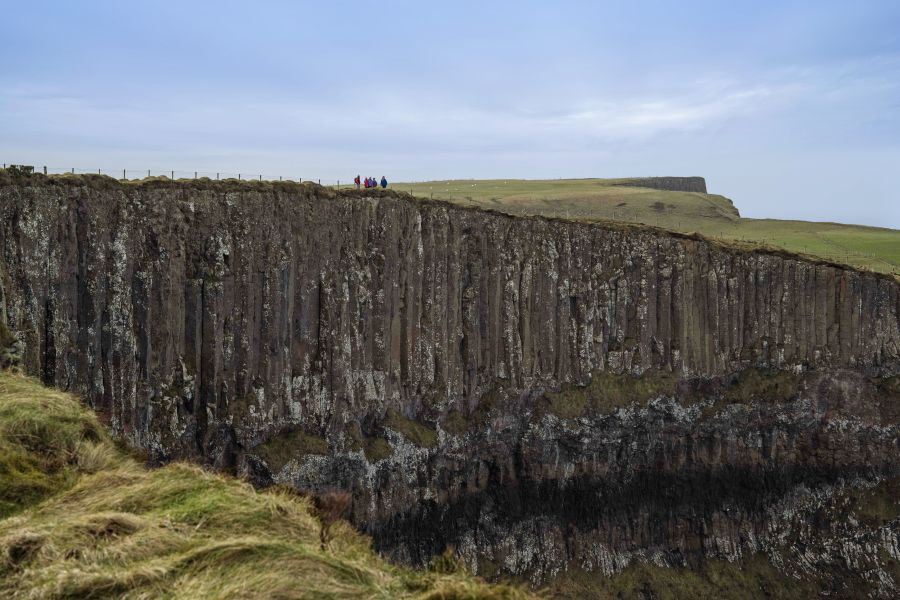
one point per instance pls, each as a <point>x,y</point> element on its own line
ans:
<point>370,182</point>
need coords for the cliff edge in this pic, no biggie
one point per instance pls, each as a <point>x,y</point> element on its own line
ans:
<point>544,396</point>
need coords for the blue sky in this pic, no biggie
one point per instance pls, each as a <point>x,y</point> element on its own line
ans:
<point>792,109</point>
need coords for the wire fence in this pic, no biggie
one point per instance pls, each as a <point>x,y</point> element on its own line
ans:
<point>176,175</point>
<point>138,174</point>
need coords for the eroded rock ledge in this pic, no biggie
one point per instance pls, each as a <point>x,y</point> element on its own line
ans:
<point>543,395</point>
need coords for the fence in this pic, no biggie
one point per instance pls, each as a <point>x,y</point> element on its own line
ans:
<point>137,174</point>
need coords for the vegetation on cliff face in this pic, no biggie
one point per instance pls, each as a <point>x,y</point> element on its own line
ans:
<point>80,518</point>
<point>609,391</point>
<point>10,348</point>
<point>290,444</point>
<point>751,578</point>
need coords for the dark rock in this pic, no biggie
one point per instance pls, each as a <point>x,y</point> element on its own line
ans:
<point>542,395</point>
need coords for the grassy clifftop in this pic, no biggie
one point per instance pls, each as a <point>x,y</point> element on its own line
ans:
<point>607,201</point>
<point>80,518</point>
<point>711,215</point>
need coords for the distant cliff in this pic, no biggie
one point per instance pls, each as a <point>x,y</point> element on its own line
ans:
<point>671,184</point>
<point>543,395</point>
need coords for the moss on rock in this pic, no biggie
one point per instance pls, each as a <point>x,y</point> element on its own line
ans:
<point>375,448</point>
<point>296,443</point>
<point>608,391</point>
<point>760,385</point>
<point>417,433</point>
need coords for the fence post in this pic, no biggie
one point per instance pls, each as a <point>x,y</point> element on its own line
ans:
<point>239,176</point>
<point>173,175</point>
<point>45,169</point>
<point>320,182</point>
<point>98,172</point>
<point>260,177</point>
<point>123,174</point>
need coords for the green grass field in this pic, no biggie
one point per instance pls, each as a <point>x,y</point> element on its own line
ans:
<point>711,215</point>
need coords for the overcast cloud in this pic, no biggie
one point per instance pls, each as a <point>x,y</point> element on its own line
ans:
<point>790,108</point>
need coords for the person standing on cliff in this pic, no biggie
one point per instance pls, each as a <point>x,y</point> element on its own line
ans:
<point>383,181</point>
<point>356,181</point>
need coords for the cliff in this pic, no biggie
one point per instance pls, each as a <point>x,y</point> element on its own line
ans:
<point>545,396</point>
<point>671,184</point>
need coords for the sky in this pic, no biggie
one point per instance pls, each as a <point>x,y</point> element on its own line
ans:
<point>790,108</point>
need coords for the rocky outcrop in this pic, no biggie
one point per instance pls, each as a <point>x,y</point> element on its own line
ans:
<point>670,184</point>
<point>542,395</point>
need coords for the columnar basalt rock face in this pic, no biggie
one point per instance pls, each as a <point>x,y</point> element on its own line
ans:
<point>542,395</point>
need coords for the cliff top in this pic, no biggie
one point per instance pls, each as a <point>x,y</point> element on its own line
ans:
<point>662,202</point>
<point>742,235</point>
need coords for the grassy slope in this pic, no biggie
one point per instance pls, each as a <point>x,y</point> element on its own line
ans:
<point>80,518</point>
<point>708,214</point>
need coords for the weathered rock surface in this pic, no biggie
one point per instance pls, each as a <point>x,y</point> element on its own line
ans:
<point>543,395</point>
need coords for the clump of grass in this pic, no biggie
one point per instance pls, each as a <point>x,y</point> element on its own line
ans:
<point>608,391</point>
<point>102,525</point>
<point>45,440</point>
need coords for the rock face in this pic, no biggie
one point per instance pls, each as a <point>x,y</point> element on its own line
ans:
<point>543,395</point>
